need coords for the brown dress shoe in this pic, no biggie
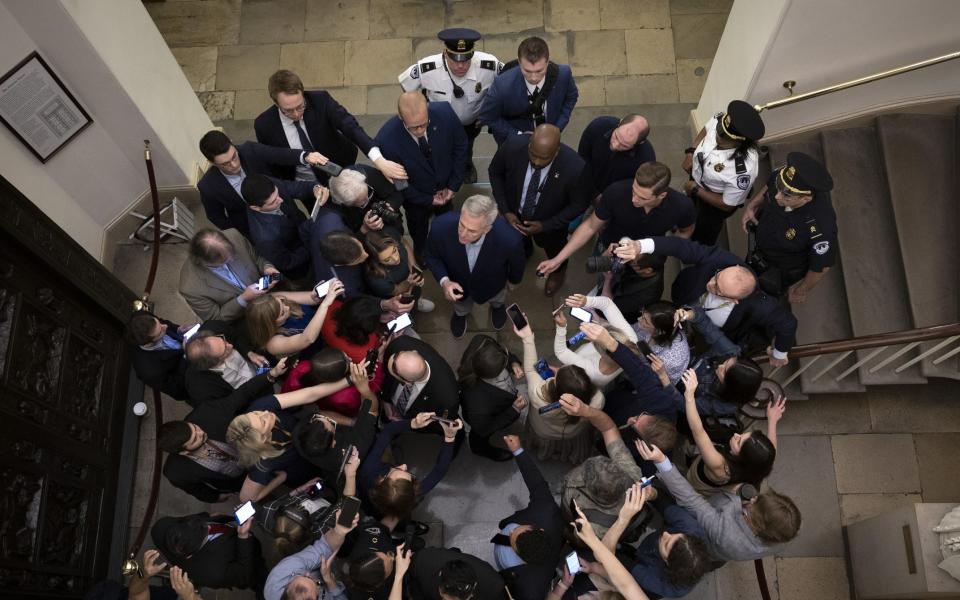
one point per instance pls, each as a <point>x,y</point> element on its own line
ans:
<point>554,281</point>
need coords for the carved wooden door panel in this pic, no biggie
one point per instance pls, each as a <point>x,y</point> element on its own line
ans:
<point>63,379</point>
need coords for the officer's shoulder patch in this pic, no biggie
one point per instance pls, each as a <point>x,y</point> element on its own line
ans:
<point>490,65</point>
<point>426,67</point>
<point>743,181</point>
<point>821,247</point>
<point>414,72</point>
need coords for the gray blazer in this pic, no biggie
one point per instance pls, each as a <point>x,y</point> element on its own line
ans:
<point>728,535</point>
<point>210,296</point>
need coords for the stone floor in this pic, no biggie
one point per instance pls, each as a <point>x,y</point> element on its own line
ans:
<point>843,458</point>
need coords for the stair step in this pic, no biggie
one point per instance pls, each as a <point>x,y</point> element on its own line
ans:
<point>872,266</point>
<point>920,156</point>
<point>825,315</point>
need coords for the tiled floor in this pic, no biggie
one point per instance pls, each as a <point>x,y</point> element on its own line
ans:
<point>843,458</point>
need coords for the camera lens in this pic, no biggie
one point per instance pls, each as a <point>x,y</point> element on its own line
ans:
<point>599,264</point>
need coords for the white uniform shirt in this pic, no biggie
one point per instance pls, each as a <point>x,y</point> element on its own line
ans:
<point>431,74</point>
<point>726,181</point>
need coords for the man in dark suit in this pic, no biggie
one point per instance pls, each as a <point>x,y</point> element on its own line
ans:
<point>217,367</point>
<point>473,255</point>
<point>430,143</point>
<point>275,225</point>
<point>448,573</point>
<point>536,182</point>
<point>357,190</point>
<point>530,541</point>
<point>719,281</point>
<point>529,92</point>
<point>220,185</point>
<point>157,353</point>
<point>314,122</point>
<point>489,394</point>
<point>212,550</point>
<point>613,150</point>
<point>418,380</point>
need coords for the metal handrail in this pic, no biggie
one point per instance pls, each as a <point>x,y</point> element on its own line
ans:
<point>854,82</point>
<point>890,338</point>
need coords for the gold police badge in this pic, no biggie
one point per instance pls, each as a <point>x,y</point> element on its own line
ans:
<point>791,233</point>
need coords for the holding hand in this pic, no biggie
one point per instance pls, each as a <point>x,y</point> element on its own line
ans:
<point>776,409</point>
<point>182,585</point>
<point>372,222</point>
<point>578,300</point>
<point>280,368</point>
<point>402,561</point>
<point>598,333</point>
<point>321,194</point>
<point>520,403</point>
<point>257,359</point>
<point>153,564</point>
<point>749,217</point>
<point>524,333</point>
<point>252,291</point>
<point>583,529</point>
<point>421,420</point>
<point>452,290</point>
<point>450,431</point>
<point>336,288</point>
<point>560,318</point>
<point>326,570</point>
<point>358,377</point>
<point>512,442</point>
<point>635,497</point>
<point>628,250</point>
<point>689,379</point>
<point>517,370</point>
<point>572,405</point>
<point>649,452</point>
<point>243,531</point>
<point>353,463</point>
<point>343,529</point>
<point>315,158</point>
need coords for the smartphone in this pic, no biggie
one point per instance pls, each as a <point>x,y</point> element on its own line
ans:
<point>322,288</point>
<point>558,309</point>
<point>406,298</point>
<point>331,168</point>
<point>244,513</point>
<point>400,184</point>
<point>519,321</point>
<point>316,211</point>
<point>263,369</point>
<point>448,422</point>
<point>400,323</point>
<point>416,270</point>
<point>264,282</point>
<point>316,490</point>
<point>191,332</point>
<point>645,348</point>
<point>647,481</point>
<point>583,315</point>
<point>548,408</point>
<point>348,510</point>
<point>573,563</point>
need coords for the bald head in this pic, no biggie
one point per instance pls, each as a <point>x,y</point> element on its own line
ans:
<point>632,130</point>
<point>735,282</point>
<point>544,144</point>
<point>411,104</point>
<point>410,366</point>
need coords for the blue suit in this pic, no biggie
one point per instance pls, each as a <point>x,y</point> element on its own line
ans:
<point>277,237</point>
<point>327,221</point>
<point>758,310</point>
<point>501,258</point>
<point>223,204</point>
<point>444,169</point>
<point>505,108</point>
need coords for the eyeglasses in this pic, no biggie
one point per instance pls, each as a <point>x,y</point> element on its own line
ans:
<point>716,283</point>
<point>413,128</point>
<point>296,110</point>
<point>317,417</point>
<point>229,161</point>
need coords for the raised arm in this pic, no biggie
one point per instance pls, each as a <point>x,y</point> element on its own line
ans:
<point>718,344</point>
<point>310,394</point>
<point>617,574</point>
<point>714,462</point>
<point>610,311</point>
<point>282,345</point>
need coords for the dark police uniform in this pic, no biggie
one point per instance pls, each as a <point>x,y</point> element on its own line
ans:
<point>792,242</point>
<point>729,172</point>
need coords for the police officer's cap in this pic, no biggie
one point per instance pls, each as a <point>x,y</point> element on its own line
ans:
<point>459,42</point>
<point>803,174</point>
<point>742,122</point>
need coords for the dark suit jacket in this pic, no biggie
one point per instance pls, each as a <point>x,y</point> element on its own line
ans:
<point>225,562</point>
<point>381,189</point>
<point>446,166</point>
<point>486,408</point>
<point>223,204</point>
<point>423,579</point>
<point>332,130</point>
<point>164,369</point>
<point>505,105</point>
<point>441,392</point>
<point>531,582</point>
<point>329,220</point>
<point>755,311</point>
<point>278,238</point>
<point>562,197</point>
<point>501,257</point>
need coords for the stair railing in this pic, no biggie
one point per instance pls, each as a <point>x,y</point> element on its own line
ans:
<point>853,82</point>
<point>906,339</point>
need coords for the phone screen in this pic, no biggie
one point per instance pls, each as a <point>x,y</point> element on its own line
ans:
<point>447,422</point>
<point>244,513</point>
<point>516,316</point>
<point>348,510</point>
<point>191,332</point>
<point>578,313</point>
<point>322,288</point>
<point>400,323</point>
<point>264,282</point>
<point>573,563</point>
<point>645,348</point>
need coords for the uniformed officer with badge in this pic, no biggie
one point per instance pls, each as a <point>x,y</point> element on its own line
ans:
<point>459,75</point>
<point>795,228</point>
<point>723,166</point>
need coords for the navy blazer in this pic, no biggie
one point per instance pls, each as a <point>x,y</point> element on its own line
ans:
<point>756,310</point>
<point>501,257</point>
<point>505,105</point>
<point>562,197</point>
<point>332,130</point>
<point>164,369</point>
<point>529,582</point>
<point>329,220</point>
<point>448,153</point>
<point>277,238</point>
<point>224,205</point>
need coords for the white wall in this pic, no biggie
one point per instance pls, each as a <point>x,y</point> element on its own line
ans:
<point>111,56</point>
<point>822,42</point>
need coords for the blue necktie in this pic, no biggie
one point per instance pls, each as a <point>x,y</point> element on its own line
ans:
<point>530,199</point>
<point>404,398</point>
<point>305,144</point>
<point>424,147</point>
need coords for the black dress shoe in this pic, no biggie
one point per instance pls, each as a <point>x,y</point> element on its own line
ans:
<point>498,316</point>
<point>471,176</point>
<point>458,325</point>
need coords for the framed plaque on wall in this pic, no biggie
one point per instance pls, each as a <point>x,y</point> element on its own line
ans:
<point>39,109</point>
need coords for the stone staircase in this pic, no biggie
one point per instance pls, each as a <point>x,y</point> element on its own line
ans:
<point>896,197</point>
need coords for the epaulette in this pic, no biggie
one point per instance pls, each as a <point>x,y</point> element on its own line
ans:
<point>490,65</point>
<point>426,67</point>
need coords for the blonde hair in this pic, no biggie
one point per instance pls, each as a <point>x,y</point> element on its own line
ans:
<point>252,446</point>
<point>620,337</point>
<point>261,317</point>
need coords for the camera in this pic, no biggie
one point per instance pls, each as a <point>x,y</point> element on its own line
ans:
<point>602,264</point>
<point>755,258</point>
<point>387,214</point>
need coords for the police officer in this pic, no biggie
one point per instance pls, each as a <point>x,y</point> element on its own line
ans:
<point>459,75</point>
<point>722,167</point>
<point>795,228</point>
